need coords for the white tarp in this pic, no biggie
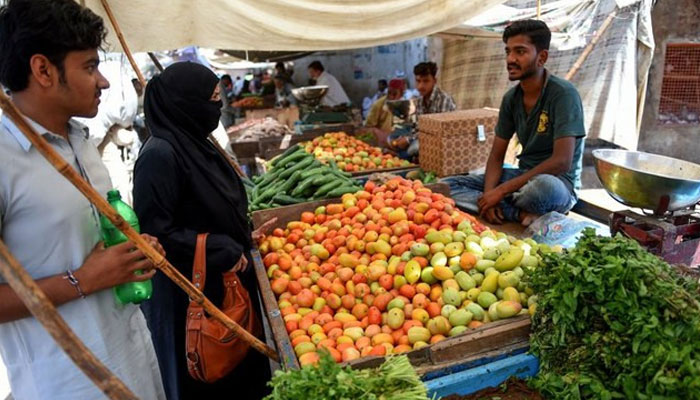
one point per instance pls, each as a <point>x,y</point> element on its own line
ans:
<point>612,81</point>
<point>158,25</point>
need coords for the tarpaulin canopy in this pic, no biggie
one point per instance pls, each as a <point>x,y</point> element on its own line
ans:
<point>292,25</point>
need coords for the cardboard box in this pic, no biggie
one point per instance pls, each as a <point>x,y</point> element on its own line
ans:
<point>451,143</point>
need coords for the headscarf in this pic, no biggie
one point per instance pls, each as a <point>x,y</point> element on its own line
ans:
<point>178,110</point>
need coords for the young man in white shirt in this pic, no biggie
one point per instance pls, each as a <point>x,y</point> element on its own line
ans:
<point>48,61</point>
<point>335,95</point>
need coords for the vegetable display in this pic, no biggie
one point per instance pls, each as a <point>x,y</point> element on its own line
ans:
<point>614,321</point>
<point>395,379</point>
<point>351,154</point>
<point>295,177</point>
<point>392,268</point>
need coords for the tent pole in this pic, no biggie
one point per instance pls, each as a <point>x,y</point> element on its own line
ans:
<point>122,41</point>
<point>589,48</point>
<point>110,213</point>
<point>539,8</point>
<point>44,311</point>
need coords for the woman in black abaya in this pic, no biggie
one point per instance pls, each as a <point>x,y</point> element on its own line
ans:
<point>182,187</point>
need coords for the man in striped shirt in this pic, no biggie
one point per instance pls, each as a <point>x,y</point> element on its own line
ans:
<point>433,100</point>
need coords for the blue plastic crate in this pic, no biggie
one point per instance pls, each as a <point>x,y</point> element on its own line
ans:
<point>487,375</point>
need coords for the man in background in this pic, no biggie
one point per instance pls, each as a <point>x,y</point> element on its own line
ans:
<point>228,114</point>
<point>336,95</point>
<point>368,102</point>
<point>380,119</point>
<point>433,100</point>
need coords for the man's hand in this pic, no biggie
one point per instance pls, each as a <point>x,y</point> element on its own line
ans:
<point>263,229</point>
<point>153,241</point>
<point>106,268</point>
<point>493,215</point>
<point>490,199</point>
<point>401,143</point>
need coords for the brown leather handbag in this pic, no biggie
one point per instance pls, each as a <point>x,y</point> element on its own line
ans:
<point>212,349</point>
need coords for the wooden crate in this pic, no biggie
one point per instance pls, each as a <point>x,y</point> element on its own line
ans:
<point>387,170</point>
<point>293,212</point>
<point>489,340</point>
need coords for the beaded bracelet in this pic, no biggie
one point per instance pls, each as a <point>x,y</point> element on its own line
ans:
<point>74,282</point>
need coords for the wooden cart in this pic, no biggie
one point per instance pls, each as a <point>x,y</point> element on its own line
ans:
<point>495,339</point>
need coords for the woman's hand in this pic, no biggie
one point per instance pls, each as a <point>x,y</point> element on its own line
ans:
<point>241,265</point>
<point>262,230</point>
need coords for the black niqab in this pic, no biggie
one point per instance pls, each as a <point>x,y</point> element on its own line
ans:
<point>179,110</point>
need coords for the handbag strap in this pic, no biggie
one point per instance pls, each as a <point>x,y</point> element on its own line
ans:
<point>199,266</point>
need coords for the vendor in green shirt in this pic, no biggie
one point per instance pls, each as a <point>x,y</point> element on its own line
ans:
<point>546,114</point>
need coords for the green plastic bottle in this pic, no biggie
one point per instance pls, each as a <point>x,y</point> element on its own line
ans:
<point>132,292</point>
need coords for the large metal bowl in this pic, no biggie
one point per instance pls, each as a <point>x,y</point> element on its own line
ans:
<point>647,181</point>
<point>311,95</point>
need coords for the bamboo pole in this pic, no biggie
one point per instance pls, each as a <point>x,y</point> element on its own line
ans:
<point>41,307</point>
<point>153,58</point>
<point>539,8</point>
<point>103,206</point>
<point>589,48</point>
<point>122,41</point>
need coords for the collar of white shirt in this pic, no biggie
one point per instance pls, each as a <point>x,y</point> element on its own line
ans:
<point>75,128</point>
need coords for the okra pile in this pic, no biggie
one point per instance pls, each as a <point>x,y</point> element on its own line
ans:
<point>295,177</point>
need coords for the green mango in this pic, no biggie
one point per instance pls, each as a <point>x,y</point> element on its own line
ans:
<point>457,330</point>
<point>483,265</point>
<point>460,317</point>
<point>509,260</point>
<point>491,254</point>
<point>447,309</point>
<point>508,279</point>
<point>426,275</point>
<point>476,310</point>
<point>473,294</point>
<point>465,281</point>
<point>478,278</point>
<point>420,249</point>
<point>485,299</point>
<point>451,296</point>
<point>438,260</point>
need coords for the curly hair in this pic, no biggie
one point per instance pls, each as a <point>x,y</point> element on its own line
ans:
<point>536,30</point>
<point>52,28</point>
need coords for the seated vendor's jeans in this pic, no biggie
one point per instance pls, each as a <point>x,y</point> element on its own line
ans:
<point>542,194</point>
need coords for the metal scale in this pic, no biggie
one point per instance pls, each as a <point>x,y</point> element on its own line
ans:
<point>311,112</point>
<point>668,188</point>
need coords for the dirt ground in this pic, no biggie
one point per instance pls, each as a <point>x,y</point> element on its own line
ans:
<point>512,389</point>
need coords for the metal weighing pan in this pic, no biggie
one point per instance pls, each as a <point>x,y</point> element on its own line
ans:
<point>648,181</point>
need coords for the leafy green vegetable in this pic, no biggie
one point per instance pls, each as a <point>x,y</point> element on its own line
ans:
<point>395,379</point>
<point>614,321</point>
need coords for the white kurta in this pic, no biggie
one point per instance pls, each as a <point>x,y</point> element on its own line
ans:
<point>336,94</point>
<point>51,227</point>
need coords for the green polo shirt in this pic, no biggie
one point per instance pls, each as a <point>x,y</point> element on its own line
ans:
<point>557,113</point>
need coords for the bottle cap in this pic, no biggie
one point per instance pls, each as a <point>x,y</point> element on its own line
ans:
<point>113,195</point>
